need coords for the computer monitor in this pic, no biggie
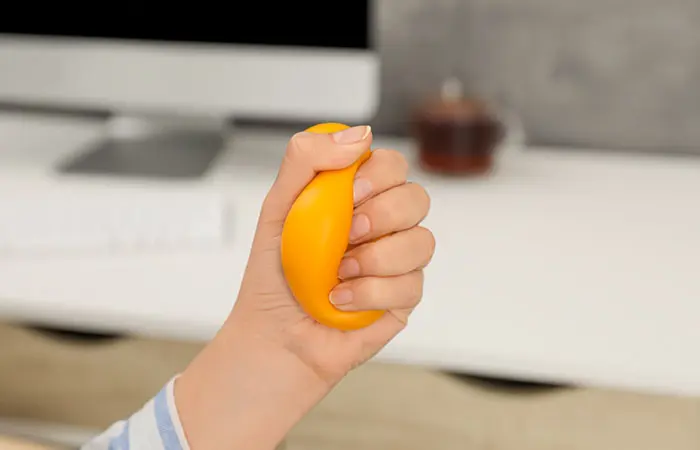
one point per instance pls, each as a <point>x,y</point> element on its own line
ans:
<point>173,79</point>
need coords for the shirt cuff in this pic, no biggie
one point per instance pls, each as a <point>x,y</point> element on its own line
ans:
<point>156,426</point>
<point>168,420</point>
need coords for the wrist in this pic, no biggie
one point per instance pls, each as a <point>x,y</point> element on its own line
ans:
<point>244,391</point>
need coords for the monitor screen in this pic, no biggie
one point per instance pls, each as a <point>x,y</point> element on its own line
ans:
<point>297,24</point>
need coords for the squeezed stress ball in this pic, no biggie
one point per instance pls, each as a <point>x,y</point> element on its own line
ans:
<point>315,238</point>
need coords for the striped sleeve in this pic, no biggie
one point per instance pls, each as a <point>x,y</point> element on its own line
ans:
<point>155,426</point>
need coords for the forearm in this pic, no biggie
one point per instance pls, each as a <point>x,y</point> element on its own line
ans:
<point>243,392</point>
<point>238,393</point>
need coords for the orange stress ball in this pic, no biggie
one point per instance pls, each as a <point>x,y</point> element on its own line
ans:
<point>314,239</point>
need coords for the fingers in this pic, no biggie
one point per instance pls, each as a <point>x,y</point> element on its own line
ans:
<point>377,293</point>
<point>393,255</point>
<point>384,170</point>
<point>397,209</point>
<point>308,154</point>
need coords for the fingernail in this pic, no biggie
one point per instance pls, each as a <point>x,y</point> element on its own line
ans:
<point>352,135</point>
<point>360,227</point>
<point>349,268</point>
<point>341,296</point>
<point>361,189</point>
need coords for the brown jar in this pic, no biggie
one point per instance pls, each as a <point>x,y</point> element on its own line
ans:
<point>457,136</point>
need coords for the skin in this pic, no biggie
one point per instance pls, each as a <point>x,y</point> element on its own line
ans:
<point>270,363</point>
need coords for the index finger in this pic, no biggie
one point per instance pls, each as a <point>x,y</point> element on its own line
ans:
<point>384,170</point>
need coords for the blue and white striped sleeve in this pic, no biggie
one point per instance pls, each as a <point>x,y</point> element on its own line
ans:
<point>156,426</point>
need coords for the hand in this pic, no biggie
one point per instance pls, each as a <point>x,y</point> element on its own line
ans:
<point>382,270</point>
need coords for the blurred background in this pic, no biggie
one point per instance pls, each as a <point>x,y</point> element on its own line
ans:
<point>610,74</point>
<point>560,146</point>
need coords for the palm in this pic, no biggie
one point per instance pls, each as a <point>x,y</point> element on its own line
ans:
<point>329,352</point>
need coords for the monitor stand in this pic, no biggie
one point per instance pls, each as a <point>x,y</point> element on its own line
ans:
<point>153,147</point>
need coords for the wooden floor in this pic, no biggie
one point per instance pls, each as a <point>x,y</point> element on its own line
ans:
<point>378,407</point>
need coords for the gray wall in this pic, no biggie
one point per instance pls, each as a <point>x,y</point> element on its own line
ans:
<point>606,73</point>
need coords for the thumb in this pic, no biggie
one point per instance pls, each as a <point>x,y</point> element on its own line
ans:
<point>306,155</point>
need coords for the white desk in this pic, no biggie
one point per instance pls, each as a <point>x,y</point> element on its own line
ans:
<point>573,267</point>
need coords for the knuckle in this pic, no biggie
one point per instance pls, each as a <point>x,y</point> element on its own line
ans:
<point>394,160</point>
<point>427,240</point>
<point>416,287</point>
<point>419,279</point>
<point>386,154</point>
<point>398,160</point>
<point>295,149</point>
<point>380,153</point>
<point>413,287</point>
<point>425,197</point>
<point>419,196</point>
<point>303,145</point>
<point>401,206</point>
